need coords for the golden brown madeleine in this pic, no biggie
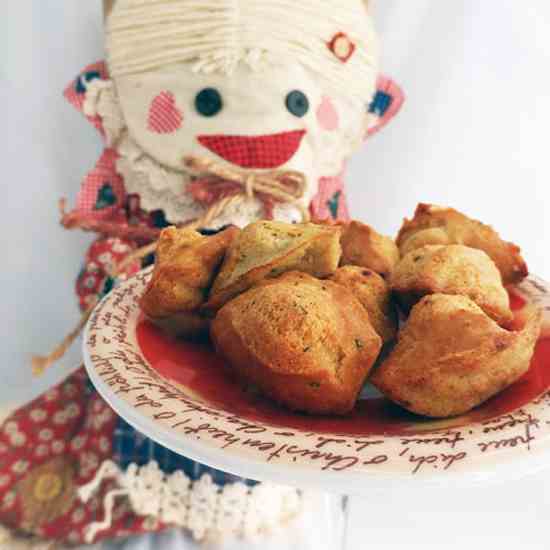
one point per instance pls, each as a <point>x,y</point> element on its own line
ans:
<point>265,249</point>
<point>451,357</point>
<point>364,247</point>
<point>307,344</point>
<point>374,294</point>
<point>436,225</point>
<point>186,264</point>
<point>452,269</point>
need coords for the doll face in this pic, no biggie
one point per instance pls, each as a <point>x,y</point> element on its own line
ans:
<point>271,119</point>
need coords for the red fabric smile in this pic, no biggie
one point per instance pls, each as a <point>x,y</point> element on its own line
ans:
<point>269,151</point>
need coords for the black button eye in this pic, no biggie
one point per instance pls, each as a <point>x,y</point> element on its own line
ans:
<point>297,103</point>
<point>209,102</point>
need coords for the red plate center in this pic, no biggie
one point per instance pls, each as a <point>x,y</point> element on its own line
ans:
<point>200,372</point>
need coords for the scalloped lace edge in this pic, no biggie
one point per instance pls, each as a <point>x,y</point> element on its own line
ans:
<point>210,512</point>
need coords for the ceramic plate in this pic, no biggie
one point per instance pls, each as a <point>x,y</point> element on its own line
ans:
<point>182,396</point>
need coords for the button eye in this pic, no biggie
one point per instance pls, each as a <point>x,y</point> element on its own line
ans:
<point>297,103</point>
<point>209,102</point>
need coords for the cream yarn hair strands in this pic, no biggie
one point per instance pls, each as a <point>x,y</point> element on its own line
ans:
<point>217,35</point>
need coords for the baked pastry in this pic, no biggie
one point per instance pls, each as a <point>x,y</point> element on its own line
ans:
<point>436,225</point>
<point>364,247</point>
<point>452,269</point>
<point>185,267</point>
<point>307,344</point>
<point>451,357</point>
<point>374,294</point>
<point>266,249</point>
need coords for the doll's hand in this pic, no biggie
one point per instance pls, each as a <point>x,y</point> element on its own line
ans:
<point>386,104</point>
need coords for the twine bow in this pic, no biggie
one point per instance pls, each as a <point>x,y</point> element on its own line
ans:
<point>218,186</point>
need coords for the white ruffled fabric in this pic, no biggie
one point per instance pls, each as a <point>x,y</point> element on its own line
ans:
<point>319,527</point>
<point>209,512</point>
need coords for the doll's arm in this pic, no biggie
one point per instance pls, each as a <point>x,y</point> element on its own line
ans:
<point>386,104</point>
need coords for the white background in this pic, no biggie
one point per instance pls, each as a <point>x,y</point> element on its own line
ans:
<point>473,134</point>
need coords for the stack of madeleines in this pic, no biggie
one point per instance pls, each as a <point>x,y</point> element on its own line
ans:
<point>303,311</point>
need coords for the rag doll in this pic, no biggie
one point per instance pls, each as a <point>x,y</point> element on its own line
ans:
<point>193,101</point>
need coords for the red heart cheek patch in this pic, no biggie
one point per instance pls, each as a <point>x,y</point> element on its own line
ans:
<point>164,115</point>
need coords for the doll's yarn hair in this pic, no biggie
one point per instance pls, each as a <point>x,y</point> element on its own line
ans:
<point>217,35</point>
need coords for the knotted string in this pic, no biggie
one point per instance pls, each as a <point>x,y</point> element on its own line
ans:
<point>217,185</point>
<point>40,363</point>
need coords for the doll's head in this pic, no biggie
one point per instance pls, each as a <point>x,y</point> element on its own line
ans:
<point>257,84</point>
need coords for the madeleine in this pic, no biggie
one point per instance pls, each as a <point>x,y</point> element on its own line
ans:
<point>436,225</point>
<point>451,357</point>
<point>452,269</point>
<point>305,343</point>
<point>364,247</point>
<point>185,266</point>
<point>266,249</point>
<point>374,294</point>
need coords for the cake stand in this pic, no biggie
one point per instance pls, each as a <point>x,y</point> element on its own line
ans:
<point>182,396</point>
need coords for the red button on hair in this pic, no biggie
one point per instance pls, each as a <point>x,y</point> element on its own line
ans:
<point>164,116</point>
<point>269,151</point>
<point>342,47</point>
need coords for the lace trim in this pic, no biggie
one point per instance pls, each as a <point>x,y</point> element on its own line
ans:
<point>210,512</point>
